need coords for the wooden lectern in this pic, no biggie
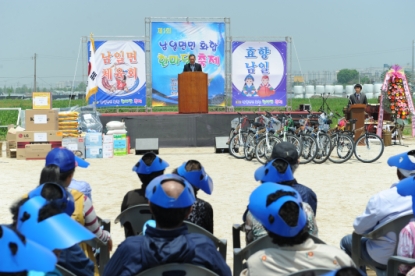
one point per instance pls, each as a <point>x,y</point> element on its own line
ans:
<point>193,92</point>
<point>357,111</point>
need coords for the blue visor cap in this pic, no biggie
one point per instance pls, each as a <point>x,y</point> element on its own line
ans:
<point>406,187</point>
<point>257,206</point>
<point>66,203</point>
<point>56,232</point>
<point>199,179</point>
<point>17,255</point>
<point>155,193</point>
<point>403,161</point>
<point>268,173</point>
<point>158,164</point>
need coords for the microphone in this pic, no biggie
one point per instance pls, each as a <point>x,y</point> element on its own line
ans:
<point>350,101</point>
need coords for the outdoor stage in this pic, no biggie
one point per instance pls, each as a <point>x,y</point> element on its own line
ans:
<point>180,130</point>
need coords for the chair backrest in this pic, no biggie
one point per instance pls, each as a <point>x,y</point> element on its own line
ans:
<point>316,271</point>
<point>221,244</point>
<point>136,215</point>
<point>241,255</point>
<point>64,271</point>
<point>104,255</point>
<point>177,269</point>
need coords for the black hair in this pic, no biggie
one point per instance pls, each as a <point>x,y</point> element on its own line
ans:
<point>49,210</point>
<point>289,212</point>
<point>358,85</point>
<point>308,273</point>
<point>191,165</point>
<point>280,165</point>
<point>22,273</point>
<point>50,191</point>
<point>169,218</point>
<point>348,271</point>
<point>192,55</point>
<point>64,175</point>
<point>14,209</point>
<point>49,173</point>
<point>145,179</point>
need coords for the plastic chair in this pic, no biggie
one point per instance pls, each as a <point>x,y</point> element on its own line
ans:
<point>241,255</point>
<point>104,255</point>
<point>64,271</point>
<point>135,215</point>
<point>177,269</point>
<point>221,244</point>
<point>316,271</point>
<point>395,261</point>
<point>394,226</point>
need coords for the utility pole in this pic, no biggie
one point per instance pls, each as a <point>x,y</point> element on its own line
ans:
<point>413,73</point>
<point>34,82</point>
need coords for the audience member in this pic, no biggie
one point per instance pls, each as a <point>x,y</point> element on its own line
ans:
<point>288,152</point>
<point>147,168</point>
<point>279,209</point>
<point>171,198</point>
<point>345,271</point>
<point>202,211</point>
<point>276,171</point>
<point>81,186</point>
<point>382,208</point>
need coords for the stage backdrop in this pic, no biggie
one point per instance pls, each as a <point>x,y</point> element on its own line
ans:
<point>121,73</point>
<point>171,44</point>
<point>259,73</point>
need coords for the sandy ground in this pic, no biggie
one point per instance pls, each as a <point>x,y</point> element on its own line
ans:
<point>342,189</point>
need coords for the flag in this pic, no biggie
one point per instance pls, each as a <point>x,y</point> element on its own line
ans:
<point>92,86</point>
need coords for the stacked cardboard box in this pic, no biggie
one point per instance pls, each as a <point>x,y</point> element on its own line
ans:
<point>76,145</point>
<point>120,144</point>
<point>36,144</point>
<point>108,146</point>
<point>11,144</point>
<point>93,145</point>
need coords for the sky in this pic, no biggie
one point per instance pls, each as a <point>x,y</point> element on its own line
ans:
<point>327,34</point>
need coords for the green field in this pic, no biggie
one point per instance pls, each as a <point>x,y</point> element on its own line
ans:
<point>10,117</point>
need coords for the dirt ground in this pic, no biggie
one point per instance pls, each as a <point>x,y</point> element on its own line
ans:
<point>342,189</point>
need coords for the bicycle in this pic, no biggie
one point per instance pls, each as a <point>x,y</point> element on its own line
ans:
<point>238,140</point>
<point>263,149</point>
<point>342,145</point>
<point>368,147</point>
<point>323,140</point>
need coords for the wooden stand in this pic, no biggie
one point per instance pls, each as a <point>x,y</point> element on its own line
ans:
<point>357,111</point>
<point>193,92</point>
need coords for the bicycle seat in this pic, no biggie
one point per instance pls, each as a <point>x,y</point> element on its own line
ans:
<point>352,121</point>
<point>258,124</point>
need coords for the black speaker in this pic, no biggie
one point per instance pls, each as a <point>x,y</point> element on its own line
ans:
<point>221,145</point>
<point>143,145</point>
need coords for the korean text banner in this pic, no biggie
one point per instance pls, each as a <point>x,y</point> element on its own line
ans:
<point>171,45</point>
<point>121,73</point>
<point>259,74</point>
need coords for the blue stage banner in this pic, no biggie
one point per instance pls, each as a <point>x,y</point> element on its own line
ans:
<point>121,73</point>
<point>259,73</point>
<point>171,45</point>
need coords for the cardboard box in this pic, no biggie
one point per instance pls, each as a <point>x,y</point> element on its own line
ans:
<point>107,150</point>
<point>41,100</point>
<point>93,152</point>
<point>76,145</point>
<point>41,120</point>
<point>11,145</point>
<point>11,153</point>
<point>108,139</point>
<point>38,136</point>
<point>11,132</point>
<point>93,139</point>
<point>120,152</point>
<point>37,151</point>
<point>120,144</point>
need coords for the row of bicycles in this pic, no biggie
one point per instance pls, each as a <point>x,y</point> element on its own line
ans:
<point>312,137</point>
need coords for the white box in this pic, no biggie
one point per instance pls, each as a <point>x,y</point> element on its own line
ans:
<point>108,139</point>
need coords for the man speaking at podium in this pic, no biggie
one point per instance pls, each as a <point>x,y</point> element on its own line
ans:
<point>192,66</point>
<point>358,97</point>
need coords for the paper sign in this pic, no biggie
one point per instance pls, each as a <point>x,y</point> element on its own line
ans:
<point>40,137</point>
<point>40,119</point>
<point>72,147</point>
<point>87,116</point>
<point>41,101</point>
<point>93,139</point>
<point>94,151</point>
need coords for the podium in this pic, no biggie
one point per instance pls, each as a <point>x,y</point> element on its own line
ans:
<point>357,111</point>
<point>193,92</point>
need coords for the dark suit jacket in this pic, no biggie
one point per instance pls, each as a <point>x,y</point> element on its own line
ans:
<point>353,99</point>
<point>187,68</point>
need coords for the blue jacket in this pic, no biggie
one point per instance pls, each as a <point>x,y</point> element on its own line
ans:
<point>159,247</point>
<point>307,195</point>
<point>74,260</point>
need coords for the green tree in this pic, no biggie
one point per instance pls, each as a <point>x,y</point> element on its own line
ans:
<point>364,80</point>
<point>81,87</point>
<point>347,76</point>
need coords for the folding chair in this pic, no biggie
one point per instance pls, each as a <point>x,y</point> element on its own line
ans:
<point>221,244</point>
<point>177,269</point>
<point>104,254</point>
<point>394,226</point>
<point>395,261</point>
<point>136,216</point>
<point>316,271</point>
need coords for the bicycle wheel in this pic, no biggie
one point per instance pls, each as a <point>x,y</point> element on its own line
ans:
<point>293,140</point>
<point>368,148</point>
<point>309,148</point>
<point>237,144</point>
<point>342,148</point>
<point>323,148</point>
<point>249,149</point>
<point>263,151</point>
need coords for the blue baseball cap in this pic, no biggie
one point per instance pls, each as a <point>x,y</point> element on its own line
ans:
<point>406,187</point>
<point>158,164</point>
<point>268,173</point>
<point>19,254</point>
<point>198,178</point>
<point>66,203</point>
<point>263,213</point>
<point>56,232</point>
<point>65,159</point>
<point>405,162</point>
<point>155,193</point>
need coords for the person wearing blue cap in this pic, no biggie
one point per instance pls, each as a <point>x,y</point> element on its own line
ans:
<point>171,198</point>
<point>19,255</point>
<point>202,211</point>
<point>276,171</point>
<point>382,207</point>
<point>279,209</point>
<point>147,168</point>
